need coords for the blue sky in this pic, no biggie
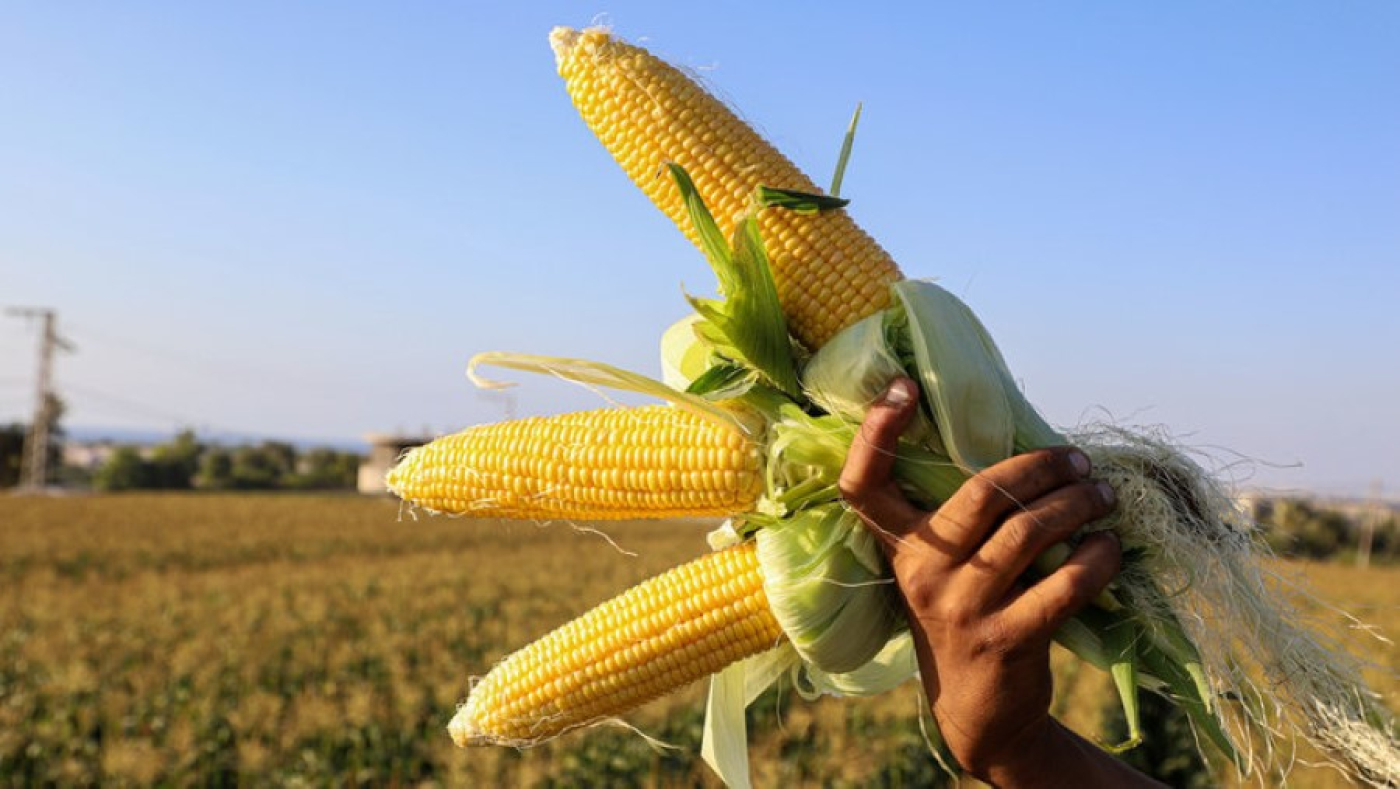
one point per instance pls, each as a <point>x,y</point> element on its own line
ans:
<point>302,219</point>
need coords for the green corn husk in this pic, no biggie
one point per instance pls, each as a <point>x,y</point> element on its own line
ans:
<point>829,587</point>
<point>853,369</point>
<point>963,385</point>
<point>683,357</point>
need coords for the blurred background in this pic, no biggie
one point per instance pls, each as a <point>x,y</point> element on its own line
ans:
<point>250,247</point>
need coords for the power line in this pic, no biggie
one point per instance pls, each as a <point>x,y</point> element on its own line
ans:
<point>88,396</point>
<point>227,370</point>
<point>128,407</point>
<point>132,406</point>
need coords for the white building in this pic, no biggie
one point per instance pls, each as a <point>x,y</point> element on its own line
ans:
<point>384,450</point>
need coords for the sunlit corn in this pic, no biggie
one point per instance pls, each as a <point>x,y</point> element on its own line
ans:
<point>829,273</point>
<point>653,639</point>
<point>607,464</point>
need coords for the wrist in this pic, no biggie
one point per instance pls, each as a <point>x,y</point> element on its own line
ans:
<point>1052,756</point>
<point>1041,756</point>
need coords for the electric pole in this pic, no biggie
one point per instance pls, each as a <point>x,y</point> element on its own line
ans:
<point>35,471</point>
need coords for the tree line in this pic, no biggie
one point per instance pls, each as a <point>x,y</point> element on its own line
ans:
<point>1303,529</point>
<point>186,463</point>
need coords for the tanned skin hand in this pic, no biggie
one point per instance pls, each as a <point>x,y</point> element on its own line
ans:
<point>982,635</point>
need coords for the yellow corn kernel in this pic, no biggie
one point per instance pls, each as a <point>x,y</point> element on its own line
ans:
<point>645,643</point>
<point>829,273</point>
<point>607,464</point>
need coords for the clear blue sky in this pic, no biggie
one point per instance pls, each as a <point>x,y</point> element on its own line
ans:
<point>302,219</point>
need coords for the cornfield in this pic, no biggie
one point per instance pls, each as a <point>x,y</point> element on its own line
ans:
<point>254,640</point>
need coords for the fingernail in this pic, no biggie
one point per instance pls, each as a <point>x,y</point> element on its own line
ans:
<point>899,394</point>
<point>1080,461</point>
<point>1107,493</point>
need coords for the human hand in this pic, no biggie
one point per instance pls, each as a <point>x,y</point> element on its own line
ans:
<point>982,633</point>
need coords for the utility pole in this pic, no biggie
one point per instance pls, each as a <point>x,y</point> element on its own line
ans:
<point>35,471</point>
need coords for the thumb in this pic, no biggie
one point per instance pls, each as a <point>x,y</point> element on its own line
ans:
<point>867,481</point>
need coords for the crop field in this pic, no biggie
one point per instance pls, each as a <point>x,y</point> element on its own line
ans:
<point>304,640</point>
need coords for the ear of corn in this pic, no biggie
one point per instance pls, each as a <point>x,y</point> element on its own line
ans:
<point>829,273</point>
<point>651,640</point>
<point>606,464</point>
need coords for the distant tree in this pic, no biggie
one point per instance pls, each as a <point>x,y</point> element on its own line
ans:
<point>280,456</point>
<point>124,470</point>
<point>215,469</point>
<point>174,464</point>
<point>11,453</point>
<point>325,469</point>
<point>183,463</point>
<point>262,467</point>
<point>170,466</point>
<point>1298,528</point>
<point>1387,539</point>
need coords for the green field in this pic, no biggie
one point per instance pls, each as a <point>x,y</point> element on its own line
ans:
<point>300,640</point>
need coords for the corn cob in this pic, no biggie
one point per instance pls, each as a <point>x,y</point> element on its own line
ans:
<point>829,273</point>
<point>606,464</point>
<point>651,640</point>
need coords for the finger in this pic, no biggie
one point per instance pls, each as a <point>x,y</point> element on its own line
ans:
<point>867,481</point>
<point>971,513</point>
<point>1026,534</point>
<point>1048,603</point>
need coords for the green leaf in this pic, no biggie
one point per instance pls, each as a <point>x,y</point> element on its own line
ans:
<point>748,325</point>
<point>765,400</point>
<point>711,238</point>
<point>1119,641</point>
<point>723,382</point>
<point>801,202</point>
<point>1190,695</point>
<point>759,314</point>
<point>845,154</point>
